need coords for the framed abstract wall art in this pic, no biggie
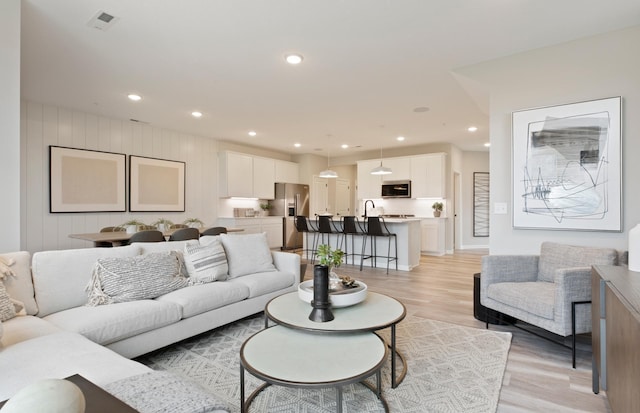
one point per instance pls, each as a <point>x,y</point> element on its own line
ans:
<point>156,185</point>
<point>566,164</point>
<point>481,204</point>
<point>86,181</point>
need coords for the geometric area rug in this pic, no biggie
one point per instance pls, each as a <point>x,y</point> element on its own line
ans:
<point>451,368</point>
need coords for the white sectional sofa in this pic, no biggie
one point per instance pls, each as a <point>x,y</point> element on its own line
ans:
<point>60,335</point>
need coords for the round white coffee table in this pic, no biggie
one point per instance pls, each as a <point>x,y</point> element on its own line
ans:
<point>376,312</point>
<point>293,358</point>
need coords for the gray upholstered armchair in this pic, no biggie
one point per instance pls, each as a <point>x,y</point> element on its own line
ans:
<point>540,289</point>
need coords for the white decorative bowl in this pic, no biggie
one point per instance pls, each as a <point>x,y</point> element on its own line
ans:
<point>344,299</point>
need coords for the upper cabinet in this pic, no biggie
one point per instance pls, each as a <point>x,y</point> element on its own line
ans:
<point>264,178</point>
<point>401,168</point>
<point>426,172</point>
<point>369,186</point>
<point>247,176</point>
<point>236,175</point>
<point>287,172</point>
<point>428,176</point>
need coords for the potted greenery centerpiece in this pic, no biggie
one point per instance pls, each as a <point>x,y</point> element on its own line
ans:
<point>132,225</point>
<point>437,208</point>
<point>193,223</point>
<point>265,208</point>
<point>332,259</point>
<point>162,224</point>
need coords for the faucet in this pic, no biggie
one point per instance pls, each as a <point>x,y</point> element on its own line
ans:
<point>365,207</point>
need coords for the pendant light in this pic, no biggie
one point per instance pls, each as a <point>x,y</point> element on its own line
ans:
<point>381,170</point>
<point>328,173</point>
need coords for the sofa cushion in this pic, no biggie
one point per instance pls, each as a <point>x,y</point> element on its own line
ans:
<point>247,254</point>
<point>60,276</point>
<point>265,282</point>
<point>206,263</point>
<point>201,298</point>
<point>536,297</point>
<point>61,355</point>
<point>122,279</point>
<point>106,324</point>
<point>554,256</point>
<point>23,328</point>
<point>20,286</point>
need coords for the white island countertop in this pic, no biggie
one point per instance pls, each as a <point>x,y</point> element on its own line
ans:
<point>408,233</point>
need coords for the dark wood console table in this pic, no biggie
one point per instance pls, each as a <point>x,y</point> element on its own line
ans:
<point>615,293</point>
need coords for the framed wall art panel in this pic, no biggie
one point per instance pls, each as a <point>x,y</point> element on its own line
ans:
<point>567,166</point>
<point>481,204</point>
<point>86,181</point>
<point>156,185</point>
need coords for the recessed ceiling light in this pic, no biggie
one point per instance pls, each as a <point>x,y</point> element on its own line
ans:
<point>472,128</point>
<point>400,138</point>
<point>196,114</point>
<point>293,58</point>
<point>297,145</point>
<point>344,146</point>
<point>252,133</point>
<point>487,144</point>
<point>134,97</point>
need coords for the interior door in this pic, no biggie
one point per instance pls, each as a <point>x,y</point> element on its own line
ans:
<point>343,197</point>
<point>319,196</point>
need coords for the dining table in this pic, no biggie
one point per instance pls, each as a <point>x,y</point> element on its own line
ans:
<point>117,238</point>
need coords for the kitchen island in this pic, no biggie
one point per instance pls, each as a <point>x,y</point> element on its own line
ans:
<point>407,230</point>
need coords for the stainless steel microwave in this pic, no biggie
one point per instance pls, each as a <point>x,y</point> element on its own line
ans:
<point>396,189</point>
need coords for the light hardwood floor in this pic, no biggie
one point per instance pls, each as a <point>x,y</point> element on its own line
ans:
<point>538,377</point>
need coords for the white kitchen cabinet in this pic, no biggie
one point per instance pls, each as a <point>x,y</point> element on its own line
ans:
<point>400,167</point>
<point>287,172</point>
<point>236,175</point>
<point>272,226</point>
<point>264,178</point>
<point>433,236</point>
<point>428,177</point>
<point>246,176</point>
<point>369,186</point>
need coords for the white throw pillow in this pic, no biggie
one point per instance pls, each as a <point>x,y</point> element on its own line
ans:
<point>206,263</point>
<point>247,254</point>
<point>122,279</point>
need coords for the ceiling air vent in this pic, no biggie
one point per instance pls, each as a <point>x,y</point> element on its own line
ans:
<point>102,21</point>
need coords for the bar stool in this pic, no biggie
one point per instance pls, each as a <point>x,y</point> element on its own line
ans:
<point>350,226</point>
<point>304,226</point>
<point>326,228</point>
<point>376,227</point>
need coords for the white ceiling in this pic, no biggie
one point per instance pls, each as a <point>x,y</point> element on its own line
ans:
<point>367,63</point>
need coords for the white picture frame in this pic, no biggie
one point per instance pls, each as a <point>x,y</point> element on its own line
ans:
<point>566,167</point>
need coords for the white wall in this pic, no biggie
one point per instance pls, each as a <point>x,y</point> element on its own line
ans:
<point>592,68</point>
<point>10,235</point>
<point>44,125</point>
<point>471,162</point>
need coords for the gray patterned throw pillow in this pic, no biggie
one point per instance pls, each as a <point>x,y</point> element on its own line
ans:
<point>122,279</point>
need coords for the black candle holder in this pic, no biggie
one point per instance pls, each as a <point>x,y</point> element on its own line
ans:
<point>321,305</point>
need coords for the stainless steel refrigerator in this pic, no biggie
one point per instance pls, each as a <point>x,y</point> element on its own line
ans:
<point>291,200</point>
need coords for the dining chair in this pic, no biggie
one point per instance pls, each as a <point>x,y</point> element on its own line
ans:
<point>107,244</point>
<point>184,234</point>
<point>146,236</point>
<point>214,231</point>
<point>178,226</point>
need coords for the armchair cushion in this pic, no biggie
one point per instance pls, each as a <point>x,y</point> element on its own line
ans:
<point>536,297</point>
<point>555,256</point>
